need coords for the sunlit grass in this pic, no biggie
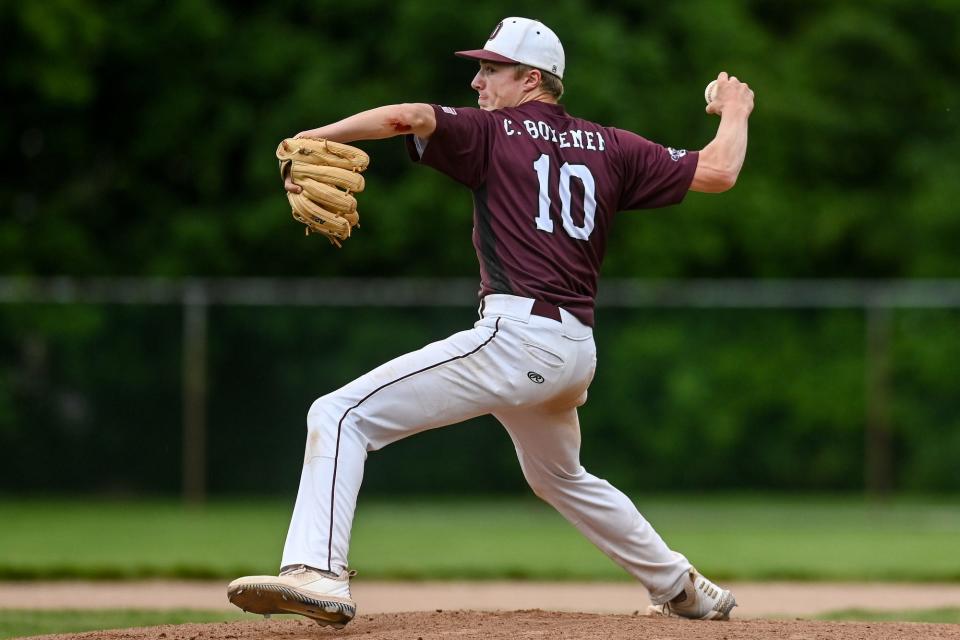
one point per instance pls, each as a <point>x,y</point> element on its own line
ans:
<point>950,615</point>
<point>728,537</point>
<point>28,622</point>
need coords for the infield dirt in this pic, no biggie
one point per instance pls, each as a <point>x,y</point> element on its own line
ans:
<point>517,625</point>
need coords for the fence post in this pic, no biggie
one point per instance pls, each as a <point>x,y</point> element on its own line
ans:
<point>194,456</point>
<point>878,441</point>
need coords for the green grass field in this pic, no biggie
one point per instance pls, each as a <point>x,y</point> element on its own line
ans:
<point>727,537</point>
<point>16,623</point>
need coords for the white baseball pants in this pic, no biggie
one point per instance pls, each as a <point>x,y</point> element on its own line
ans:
<point>531,373</point>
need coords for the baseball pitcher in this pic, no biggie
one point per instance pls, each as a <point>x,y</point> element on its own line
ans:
<point>546,188</point>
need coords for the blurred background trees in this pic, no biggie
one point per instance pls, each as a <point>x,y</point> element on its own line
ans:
<point>140,140</point>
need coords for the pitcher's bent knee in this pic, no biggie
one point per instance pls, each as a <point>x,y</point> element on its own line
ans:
<point>546,485</point>
<point>322,412</point>
<point>323,423</point>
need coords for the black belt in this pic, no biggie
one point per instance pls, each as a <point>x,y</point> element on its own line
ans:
<point>545,310</point>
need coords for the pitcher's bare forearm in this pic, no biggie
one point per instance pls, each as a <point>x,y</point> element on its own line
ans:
<point>720,161</point>
<point>376,124</point>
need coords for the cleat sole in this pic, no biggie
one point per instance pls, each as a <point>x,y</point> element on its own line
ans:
<point>265,599</point>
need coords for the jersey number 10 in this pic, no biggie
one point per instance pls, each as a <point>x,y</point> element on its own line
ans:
<point>582,173</point>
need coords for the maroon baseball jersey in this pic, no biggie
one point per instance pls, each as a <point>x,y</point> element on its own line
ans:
<point>545,188</point>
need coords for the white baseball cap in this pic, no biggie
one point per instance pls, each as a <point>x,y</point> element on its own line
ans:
<point>522,41</point>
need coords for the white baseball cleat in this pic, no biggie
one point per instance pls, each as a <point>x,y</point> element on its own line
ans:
<point>700,600</point>
<point>302,590</point>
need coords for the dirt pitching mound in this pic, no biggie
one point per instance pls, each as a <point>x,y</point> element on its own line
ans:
<point>518,625</point>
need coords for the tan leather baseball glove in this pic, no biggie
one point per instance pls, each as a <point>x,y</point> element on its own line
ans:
<point>329,174</point>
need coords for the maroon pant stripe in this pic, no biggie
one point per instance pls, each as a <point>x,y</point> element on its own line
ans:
<point>336,456</point>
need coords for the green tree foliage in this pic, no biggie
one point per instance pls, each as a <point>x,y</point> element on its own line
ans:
<point>140,138</point>
<point>146,129</point>
<point>723,399</point>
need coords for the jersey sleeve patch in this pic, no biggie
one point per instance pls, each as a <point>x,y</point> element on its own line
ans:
<point>654,175</point>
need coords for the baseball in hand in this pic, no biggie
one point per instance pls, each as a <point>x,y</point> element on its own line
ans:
<point>710,92</point>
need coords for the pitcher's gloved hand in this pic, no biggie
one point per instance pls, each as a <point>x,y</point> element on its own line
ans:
<point>328,173</point>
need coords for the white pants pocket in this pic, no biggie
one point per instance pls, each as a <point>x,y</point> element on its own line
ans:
<point>543,355</point>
